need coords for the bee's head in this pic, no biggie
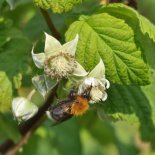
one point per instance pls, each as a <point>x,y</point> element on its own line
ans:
<point>86,95</point>
<point>72,94</point>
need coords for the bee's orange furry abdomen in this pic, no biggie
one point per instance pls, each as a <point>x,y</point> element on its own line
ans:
<point>80,106</point>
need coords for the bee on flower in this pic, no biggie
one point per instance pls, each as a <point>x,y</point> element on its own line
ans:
<point>92,89</point>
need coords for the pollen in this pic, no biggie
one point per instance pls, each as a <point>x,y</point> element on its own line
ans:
<point>80,106</point>
<point>59,66</point>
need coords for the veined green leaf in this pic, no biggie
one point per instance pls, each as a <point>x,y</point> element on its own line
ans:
<point>110,38</point>
<point>129,103</point>
<point>119,9</point>
<point>143,29</point>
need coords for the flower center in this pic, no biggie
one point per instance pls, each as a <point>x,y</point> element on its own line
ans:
<point>60,65</point>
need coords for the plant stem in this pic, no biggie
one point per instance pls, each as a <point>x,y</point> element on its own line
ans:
<point>28,127</point>
<point>50,24</point>
<point>22,142</point>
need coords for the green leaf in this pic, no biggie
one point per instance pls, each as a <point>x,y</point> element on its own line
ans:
<point>57,6</point>
<point>14,53</point>
<point>5,92</point>
<point>149,92</point>
<point>11,3</point>
<point>145,25</point>
<point>6,32</point>
<point>14,57</point>
<point>129,103</point>
<point>9,130</point>
<point>143,29</point>
<point>33,24</point>
<point>110,38</point>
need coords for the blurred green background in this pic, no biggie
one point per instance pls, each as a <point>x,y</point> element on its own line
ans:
<point>91,134</point>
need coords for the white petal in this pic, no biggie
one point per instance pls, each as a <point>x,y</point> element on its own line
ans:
<point>105,96</point>
<point>38,59</point>
<point>96,94</point>
<point>43,84</point>
<point>91,82</point>
<point>71,45</point>
<point>79,71</point>
<point>17,103</point>
<point>107,84</point>
<point>80,90</point>
<point>51,44</point>
<point>98,71</point>
<point>92,102</point>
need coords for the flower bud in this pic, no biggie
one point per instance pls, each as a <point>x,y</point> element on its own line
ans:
<point>23,109</point>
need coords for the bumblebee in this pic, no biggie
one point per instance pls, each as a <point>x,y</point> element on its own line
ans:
<point>75,105</point>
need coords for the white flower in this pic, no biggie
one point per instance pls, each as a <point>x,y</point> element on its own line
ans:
<point>23,109</point>
<point>96,83</point>
<point>58,60</point>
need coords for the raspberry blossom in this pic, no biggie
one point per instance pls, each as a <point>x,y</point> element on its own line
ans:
<point>58,60</point>
<point>97,83</point>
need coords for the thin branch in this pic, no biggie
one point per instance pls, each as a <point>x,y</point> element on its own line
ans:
<point>20,144</point>
<point>50,24</point>
<point>25,137</point>
<point>28,127</point>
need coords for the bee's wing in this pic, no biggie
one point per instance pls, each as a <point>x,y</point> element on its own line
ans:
<point>61,111</point>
